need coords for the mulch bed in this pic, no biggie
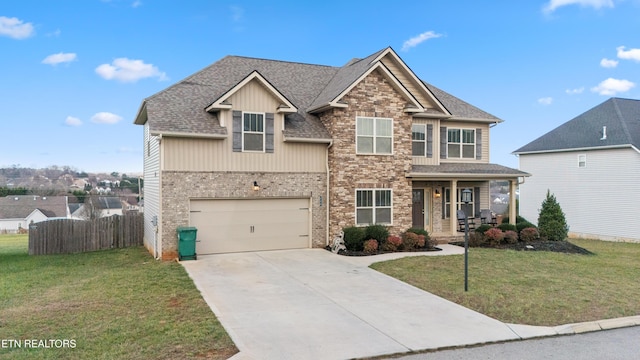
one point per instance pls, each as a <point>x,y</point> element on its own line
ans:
<point>555,246</point>
<point>362,253</point>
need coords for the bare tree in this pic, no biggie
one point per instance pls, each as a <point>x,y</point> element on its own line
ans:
<point>92,209</point>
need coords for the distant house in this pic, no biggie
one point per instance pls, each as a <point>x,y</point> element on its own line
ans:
<point>18,211</point>
<point>592,165</point>
<point>109,206</point>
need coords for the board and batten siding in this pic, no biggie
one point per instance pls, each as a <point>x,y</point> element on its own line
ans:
<point>599,200</point>
<point>435,157</point>
<point>151,187</point>
<point>466,125</point>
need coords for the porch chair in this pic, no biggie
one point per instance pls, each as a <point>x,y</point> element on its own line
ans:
<point>461,216</point>
<point>488,217</point>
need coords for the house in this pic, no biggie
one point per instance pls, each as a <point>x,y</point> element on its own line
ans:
<point>108,206</point>
<point>17,212</point>
<point>592,165</point>
<point>266,154</point>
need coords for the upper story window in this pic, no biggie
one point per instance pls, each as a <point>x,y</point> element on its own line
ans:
<point>373,206</point>
<point>419,139</point>
<point>253,132</point>
<point>461,143</point>
<point>582,160</point>
<point>374,135</point>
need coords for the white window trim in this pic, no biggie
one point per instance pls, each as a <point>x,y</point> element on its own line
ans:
<point>582,160</point>
<point>461,143</point>
<point>263,132</point>
<point>374,207</point>
<point>459,203</point>
<point>375,136</point>
<point>424,126</point>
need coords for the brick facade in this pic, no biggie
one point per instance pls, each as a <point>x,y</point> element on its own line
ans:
<point>178,187</point>
<point>373,97</point>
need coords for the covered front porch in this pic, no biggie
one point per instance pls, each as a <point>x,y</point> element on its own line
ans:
<point>436,194</point>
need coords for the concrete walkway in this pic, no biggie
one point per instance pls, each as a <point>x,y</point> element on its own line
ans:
<point>312,304</point>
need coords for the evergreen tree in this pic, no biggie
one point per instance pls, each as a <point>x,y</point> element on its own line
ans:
<point>551,221</point>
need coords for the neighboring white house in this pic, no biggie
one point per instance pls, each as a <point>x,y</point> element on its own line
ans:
<point>592,165</point>
<point>18,211</point>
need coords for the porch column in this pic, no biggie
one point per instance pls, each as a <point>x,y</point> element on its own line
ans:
<point>453,207</point>
<point>512,202</point>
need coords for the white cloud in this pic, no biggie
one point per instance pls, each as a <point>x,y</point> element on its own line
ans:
<point>15,28</point>
<point>72,121</point>
<point>612,86</point>
<point>596,4</point>
<point>127,70</point>
<point>545,101</point>
<point>607,63</point>
<point>55,33</point>
<point>575,91</point>
<point>416,40</point>
<point>105,118</point>
<point>631,54</point>
<point>237,13</point>
<point>58,58</point>
<point>136,4</point>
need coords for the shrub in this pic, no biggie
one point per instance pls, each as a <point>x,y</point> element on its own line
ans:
<point>410,240</point>
<point>507,227</point>
<point>519,219</point>
<point>422,241</point>
<point>393,243</point>
<point>524,225</point>
<point>428,242</point>
<point>482,228</point>
<point>551,222</point>
<point>370,246</point>
<point>529,234</point>
<point>494,236</point>
<point>377,232</point>
<point>476,239</point>
<point>353,238</point>
<point>510,237</point>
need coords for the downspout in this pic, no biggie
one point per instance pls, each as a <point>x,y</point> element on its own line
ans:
<point>327,193</point>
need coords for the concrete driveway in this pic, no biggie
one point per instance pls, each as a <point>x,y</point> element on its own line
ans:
<point>312,304</point>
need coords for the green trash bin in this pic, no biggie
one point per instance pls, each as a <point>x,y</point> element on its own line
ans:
<point>187,243</point>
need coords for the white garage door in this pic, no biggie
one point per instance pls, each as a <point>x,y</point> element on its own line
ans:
<point>250,225</point>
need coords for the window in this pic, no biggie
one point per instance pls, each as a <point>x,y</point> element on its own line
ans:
<point>419,139</point>
<point>469,209</point>
<point>461,143</point>
<point>253,132</point>
<point>373,207</point>
<point>582,160</point>
<point>374,135</point>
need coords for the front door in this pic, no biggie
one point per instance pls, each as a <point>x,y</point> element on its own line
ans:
<point>418,208</point>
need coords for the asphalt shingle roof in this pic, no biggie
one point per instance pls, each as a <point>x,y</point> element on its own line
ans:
<point>467,169</point>
<point>181,107</point>
<point>621,117</point>
<point>20,206</point>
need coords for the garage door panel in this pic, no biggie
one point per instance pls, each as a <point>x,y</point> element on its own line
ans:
<point>250,225</point>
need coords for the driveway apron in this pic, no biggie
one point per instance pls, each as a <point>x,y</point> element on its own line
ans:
<point>312,304</point>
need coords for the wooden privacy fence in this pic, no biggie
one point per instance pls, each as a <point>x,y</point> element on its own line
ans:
<point>66,236</point>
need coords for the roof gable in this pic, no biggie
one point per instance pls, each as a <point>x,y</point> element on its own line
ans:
<point>356,71</point>
<point>222,101</point>
<point>613,123</point>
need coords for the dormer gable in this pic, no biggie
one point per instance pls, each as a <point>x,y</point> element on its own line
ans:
<point>223,102</point>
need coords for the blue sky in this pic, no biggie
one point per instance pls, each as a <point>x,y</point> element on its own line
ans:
<point>74,73</point>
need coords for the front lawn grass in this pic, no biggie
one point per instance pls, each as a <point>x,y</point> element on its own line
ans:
<point>533,287</point>
<point>114,304</point>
